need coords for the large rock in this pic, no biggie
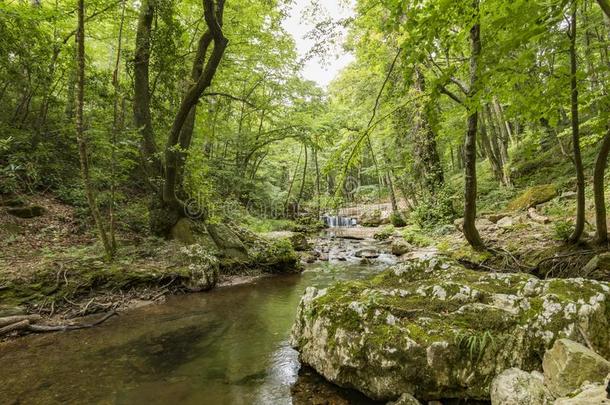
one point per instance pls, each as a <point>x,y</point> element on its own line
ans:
<point>441,331</point>
<point>183,231</point>
<point>367,253</point>
<point>517,387</point>
<point>227,241</point>
<point>203,268</point>
<point>567,365</point>
<point>371,218</point>
<point>590,394</point>
<point>533,196</point>
<point>399,247</point>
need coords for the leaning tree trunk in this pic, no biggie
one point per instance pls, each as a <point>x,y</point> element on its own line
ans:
<point>470,143</point>
<point>580,175</point>
<point>80,136</point>
<point>166,177</point>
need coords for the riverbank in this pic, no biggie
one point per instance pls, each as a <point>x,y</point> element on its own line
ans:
<point>51,265</point>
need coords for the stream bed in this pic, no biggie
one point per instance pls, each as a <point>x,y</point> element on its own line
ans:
<point>229,346</point>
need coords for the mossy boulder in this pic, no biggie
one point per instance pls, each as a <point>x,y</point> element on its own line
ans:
<point>517,387</point>
<point>183,231</point>
<point>588,395</point>
<point>568,365</point>
<point>437,330</point>
<point>533,196</point>
<point>399,247</point>
<point>371,218</point>
<point>203,267</point>
<point>228,242</point>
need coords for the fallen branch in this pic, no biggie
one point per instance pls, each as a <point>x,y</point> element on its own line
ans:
<point>15,326</point>
<point>9,320</point>
<point>62,328</point>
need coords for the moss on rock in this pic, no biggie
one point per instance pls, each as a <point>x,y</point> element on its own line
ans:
<point>441,331</point>
<point>533,196</point>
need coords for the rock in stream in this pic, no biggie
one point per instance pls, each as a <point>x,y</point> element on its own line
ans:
<point>437,330</point>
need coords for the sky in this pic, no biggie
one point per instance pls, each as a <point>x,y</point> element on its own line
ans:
<point>316,69</point>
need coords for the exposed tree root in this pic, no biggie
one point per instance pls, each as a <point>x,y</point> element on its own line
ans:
<point>25,324</point>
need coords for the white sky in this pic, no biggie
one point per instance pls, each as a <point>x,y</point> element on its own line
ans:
<point>322,72</point>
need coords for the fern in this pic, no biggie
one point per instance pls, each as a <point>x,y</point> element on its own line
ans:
<point>475,344</point>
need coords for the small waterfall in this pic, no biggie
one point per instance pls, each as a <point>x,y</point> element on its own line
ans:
<point>338,221</point>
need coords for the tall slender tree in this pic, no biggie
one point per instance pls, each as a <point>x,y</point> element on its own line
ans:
<point>470,142</point>
<point>80,131</point>
<point>580,175</point>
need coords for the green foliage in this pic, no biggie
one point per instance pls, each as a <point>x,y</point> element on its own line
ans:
<point>262,225</point>
<point>416,237</point>
<point>475,344</point>
<point>397,220</point>
<point>562,229</point>
<point>385,232</point>
<point>275,252</point>
<point>434,210</point>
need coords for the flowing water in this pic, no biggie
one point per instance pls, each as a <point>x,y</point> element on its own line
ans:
<point>229,346</point>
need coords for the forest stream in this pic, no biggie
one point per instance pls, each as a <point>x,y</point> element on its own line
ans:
<point>229,346</point>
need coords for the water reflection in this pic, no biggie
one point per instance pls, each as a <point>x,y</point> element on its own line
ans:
<point>229,346</point>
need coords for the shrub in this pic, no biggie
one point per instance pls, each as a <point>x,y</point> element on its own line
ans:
<point>434,210</point>
<point>415,237</point>
<point>397,220</point>
<point>562,229</point>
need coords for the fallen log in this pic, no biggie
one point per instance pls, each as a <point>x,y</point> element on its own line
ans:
<point>63,328</point>
<point>9,320</point>
<point>21,325</point>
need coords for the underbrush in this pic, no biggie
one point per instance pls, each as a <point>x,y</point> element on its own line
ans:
<point>263,225</point>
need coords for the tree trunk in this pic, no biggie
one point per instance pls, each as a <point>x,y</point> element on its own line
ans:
<point>392,193</point>
<point>496,166</point>
<point>318,191</point>
<point>425,142</point>
<point>303,179</point>
<point>80,136</point>
<point>292,184</point>
<point>117,127</point>
<point>599,190</point>
<point>141,104</point>
<point>580,176</point>
<point>470,144</point>
<point>166,178</point>
<point>504,132</point>
<point>600,169</point>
